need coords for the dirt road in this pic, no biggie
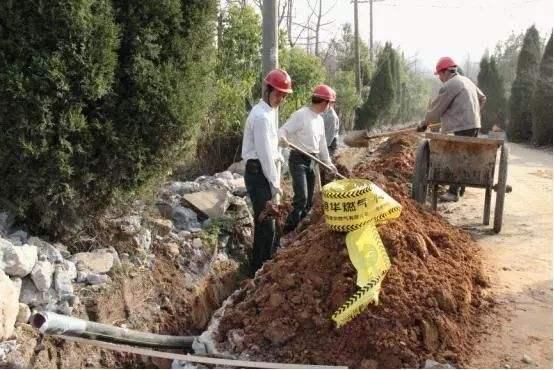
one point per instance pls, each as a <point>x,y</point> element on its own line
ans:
<point>519,262</point>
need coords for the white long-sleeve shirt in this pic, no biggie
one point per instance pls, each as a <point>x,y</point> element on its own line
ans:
<point>306,130</point>
<point>260,141</point>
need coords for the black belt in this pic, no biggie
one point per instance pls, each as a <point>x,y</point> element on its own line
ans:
<point>302,155</point>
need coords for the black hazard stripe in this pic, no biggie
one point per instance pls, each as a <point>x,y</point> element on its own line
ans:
<point>347,194</point>
<point>358,295</point>
<point>348,228</point>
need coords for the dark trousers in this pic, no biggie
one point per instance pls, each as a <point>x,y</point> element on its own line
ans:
<point>326,176</point>
<point>264,232</point>
<point>472,132</point>
<point>303,182</point>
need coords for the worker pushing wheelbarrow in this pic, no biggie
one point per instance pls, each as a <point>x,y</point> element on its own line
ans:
<point>463,159</point>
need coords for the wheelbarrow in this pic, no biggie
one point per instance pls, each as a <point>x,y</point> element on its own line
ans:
<point>464,161</point>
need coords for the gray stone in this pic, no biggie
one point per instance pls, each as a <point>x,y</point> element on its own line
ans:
<point>9,306</point>
<point>237,167</point>
<point>432,364</point>
<point>99,262</point>
<point>82,276</point>
<point>225,175</point>
<point>127,225</point>
<point>46,249</point>
<point>165,208</point>
<point>197,243</point>
<point>31,296</point>
<point>19,237</point>
<point>63,250</point>
<point>162,226</point>
<point>96,279</point>
<point>143,240</point>
<point>7,348</point>
<point>70,267</point>
<point>6,222</point>
<point>18,260</point>
<point>184,218</point>
<point>185,187</point>
<point>42,275</point>
<point>62,282</point>
<point>184,234</point>
<point>23,314</point>
<point>113,252</point>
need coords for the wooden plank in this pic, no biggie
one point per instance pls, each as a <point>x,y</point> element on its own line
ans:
<point>464,139</point>
<point>212,203</point>
<point>194,358</point>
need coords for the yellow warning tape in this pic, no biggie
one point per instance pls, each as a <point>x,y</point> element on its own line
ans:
<point>356,206</point>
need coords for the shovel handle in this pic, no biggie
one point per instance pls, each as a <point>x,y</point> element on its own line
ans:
<point>314,158</point>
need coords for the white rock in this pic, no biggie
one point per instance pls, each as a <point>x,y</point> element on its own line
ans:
<point>127,225</point>
<point>9,306</point>
<point>237,167</point>
<point>23,314</point>
<point>96,279</point>
<point>42,275</point>
<point>70,268</point>
<point>99,262</point>
<point>527,359</point>
<point>185,187</point>
<point>226,175</point>
<point>143,240</point>
<point>197,243</point>
<point>46,249</point>
<point>62,282</point>
<point>18,260</point>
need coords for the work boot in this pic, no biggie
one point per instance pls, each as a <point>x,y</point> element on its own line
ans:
<point>448,197</point>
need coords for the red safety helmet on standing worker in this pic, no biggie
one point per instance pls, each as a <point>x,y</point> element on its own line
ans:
<point>325,92</point>
<point>279,80</point>
<point>445,63</point>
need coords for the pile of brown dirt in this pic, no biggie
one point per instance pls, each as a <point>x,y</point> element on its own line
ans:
<point>430,301</point>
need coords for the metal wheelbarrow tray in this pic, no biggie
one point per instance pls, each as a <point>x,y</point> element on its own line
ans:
<point>464,161</point>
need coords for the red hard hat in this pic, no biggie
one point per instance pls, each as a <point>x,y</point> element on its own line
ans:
<point>279,80</point>
<point>444,63</point>
<point>325,92</point>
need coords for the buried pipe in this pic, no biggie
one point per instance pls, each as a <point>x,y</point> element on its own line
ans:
<point>55,324</point>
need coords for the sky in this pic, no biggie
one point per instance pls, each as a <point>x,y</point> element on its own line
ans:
<point>429,29</point>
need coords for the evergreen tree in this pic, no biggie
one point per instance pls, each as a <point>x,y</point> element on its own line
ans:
<point>496,106</point>
<point>381,94</point>
<point>520,124</point>
<point>542,100</point>
<point>490,82</point>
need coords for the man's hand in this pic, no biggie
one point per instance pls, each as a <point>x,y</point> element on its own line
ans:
<point>331,167</point>
<point>283,142</point>
<point>422,126</point>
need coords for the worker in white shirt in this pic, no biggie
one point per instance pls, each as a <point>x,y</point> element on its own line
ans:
<point>305,129</point>
<point>260,151</point>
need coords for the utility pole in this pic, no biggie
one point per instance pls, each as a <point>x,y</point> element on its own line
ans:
<point>357,48</point>
<point>371,30</point>
<point>270,41</point>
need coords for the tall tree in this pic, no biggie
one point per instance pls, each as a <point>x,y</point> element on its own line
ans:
<point>520,124</point>
<point>542,100</point>
<point>490,82</point>
<point>380,100</point>
<point>506,54</point>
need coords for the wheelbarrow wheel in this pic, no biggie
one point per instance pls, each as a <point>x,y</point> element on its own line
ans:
<point>421,173</point>
<point>501,188</point>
